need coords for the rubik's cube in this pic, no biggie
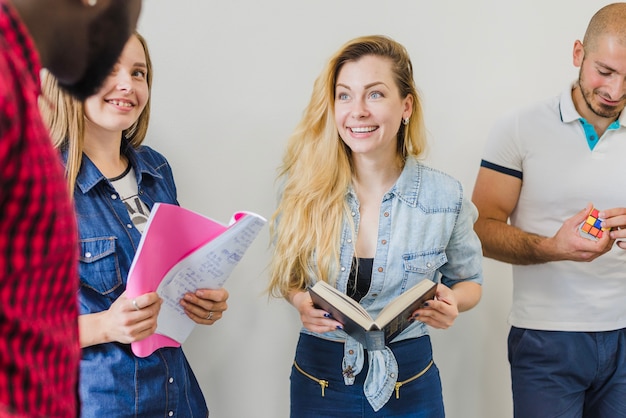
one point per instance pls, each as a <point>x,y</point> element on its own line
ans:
<point>592,227</point>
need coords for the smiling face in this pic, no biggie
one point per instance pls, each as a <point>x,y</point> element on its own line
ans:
<point>368,107</point>
<point>602,78</point>
<point>124,93</point>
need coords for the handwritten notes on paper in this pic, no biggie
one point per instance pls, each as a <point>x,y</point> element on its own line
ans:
<point>181,251</point>
<point>206,268</point>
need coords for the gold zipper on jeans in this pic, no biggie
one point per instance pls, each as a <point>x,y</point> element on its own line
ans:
<point>323,383</point>
<point>398,384</point>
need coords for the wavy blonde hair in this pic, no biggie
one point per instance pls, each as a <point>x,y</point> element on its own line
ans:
<point>316,172</point>
<point>65,117</point>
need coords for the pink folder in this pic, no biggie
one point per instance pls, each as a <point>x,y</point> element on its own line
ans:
<point>172,233</point>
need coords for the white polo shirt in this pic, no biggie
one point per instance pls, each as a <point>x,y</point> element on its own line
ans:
<point>546,146</point>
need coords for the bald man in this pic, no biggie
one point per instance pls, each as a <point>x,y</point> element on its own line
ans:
<point>79,41</point>
<point>544,169</point>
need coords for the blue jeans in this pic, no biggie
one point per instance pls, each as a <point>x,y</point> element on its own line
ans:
<point>321,359</point>
<point>568,374</point>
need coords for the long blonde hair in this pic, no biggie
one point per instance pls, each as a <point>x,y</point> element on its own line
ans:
<point>65,117</point>
<point>316,172</point>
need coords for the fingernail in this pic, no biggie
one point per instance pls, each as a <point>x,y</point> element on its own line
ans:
<point>339,327</point>
<point>326,315</point>
<point>425,304</point>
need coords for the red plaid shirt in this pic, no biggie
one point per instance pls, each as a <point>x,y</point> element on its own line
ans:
<point>39,349</point>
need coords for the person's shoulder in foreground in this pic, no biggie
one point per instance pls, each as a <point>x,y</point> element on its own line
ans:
<point>39,349</point>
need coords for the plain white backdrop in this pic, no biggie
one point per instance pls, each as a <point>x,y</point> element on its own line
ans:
<point>231,80</point>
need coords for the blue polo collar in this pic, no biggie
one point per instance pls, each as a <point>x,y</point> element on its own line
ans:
<point>570,114</point>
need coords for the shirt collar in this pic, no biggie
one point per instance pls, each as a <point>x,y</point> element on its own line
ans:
<point>570,114</point>
<point>407,186</point>
<point>89,175</point>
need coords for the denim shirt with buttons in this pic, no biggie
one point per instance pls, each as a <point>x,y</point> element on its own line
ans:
<point>113,381</point>
<point>425,232</point>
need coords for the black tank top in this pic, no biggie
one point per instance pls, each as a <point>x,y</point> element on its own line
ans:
<point>360,278</point>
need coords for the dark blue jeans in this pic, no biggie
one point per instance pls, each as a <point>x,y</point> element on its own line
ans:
<point>321,359</point>
<point>568,374</point>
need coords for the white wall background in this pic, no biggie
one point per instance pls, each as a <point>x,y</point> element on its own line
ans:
<point>231,81</point>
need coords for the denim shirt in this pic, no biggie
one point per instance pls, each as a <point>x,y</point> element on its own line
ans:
<point>113,381</point>
<point>425,231</point>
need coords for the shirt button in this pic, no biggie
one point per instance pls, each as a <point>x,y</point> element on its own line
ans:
<point>350,352</point>
<point>171,413</point>
<point>384,242</point>
<point>343,269</point>
<point>392,375</point>
<point>349,240</point>
<point>353,213</point>
<point>113,196</point>
<point>428,265</point>
<point>171,380</point>
<point>129,226</point>
<point>380,269</point>
<point>87,254</point>
<point>386,214</point>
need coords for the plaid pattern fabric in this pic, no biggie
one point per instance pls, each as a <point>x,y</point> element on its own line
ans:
<point>39,350</point>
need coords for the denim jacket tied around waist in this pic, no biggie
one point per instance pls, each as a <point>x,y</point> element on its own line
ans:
<point>426,231</point>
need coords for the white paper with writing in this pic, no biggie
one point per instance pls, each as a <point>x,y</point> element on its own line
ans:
<point>206,268</point>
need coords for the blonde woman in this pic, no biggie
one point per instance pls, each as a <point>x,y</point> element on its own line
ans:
<point>115,180</point>
<point>360,211</point>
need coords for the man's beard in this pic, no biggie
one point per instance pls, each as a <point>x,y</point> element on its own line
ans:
<point>602,110</point>
<point>107,37</point>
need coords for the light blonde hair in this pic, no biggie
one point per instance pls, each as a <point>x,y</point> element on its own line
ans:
<point>65,117</point>
<point>316,172</point>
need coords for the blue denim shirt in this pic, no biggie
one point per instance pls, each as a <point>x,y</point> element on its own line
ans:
<point>113,381</point>
<point>425,231</point>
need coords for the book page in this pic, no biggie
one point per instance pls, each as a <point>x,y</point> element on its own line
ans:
<point>357,322</point>
<point>396,306</point>
<point>206,268</point>
<point>339,304</point>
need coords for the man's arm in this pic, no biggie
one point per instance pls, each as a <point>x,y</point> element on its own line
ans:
<point>496,195</point>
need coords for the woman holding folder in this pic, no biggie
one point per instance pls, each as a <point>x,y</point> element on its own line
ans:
<point>115,181</point>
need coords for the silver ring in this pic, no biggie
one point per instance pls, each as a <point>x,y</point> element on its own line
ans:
<point>209,316</point>
<point>135,305</point>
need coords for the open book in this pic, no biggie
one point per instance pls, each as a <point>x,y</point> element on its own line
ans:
<point>181,251</point>
<point>374,334</point>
